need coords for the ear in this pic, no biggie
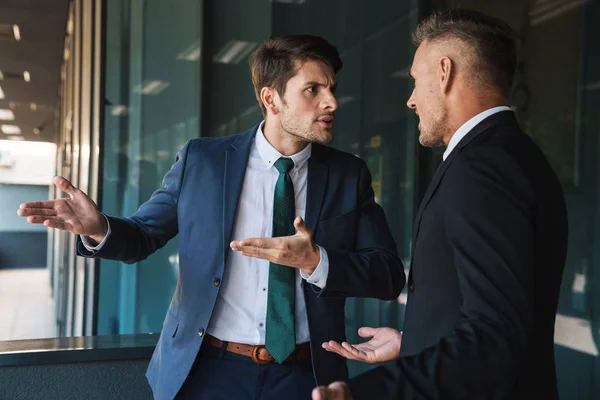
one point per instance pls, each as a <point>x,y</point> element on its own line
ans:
<point>269,97</point>
<point>445,74</point>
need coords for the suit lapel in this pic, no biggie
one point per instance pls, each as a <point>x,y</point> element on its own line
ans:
<point>503,117</point>
<point>435,182</point>
<point>236,161</point>
<point>318,173</point>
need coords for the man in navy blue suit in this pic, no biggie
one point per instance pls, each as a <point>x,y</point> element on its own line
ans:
<point>276,230</point>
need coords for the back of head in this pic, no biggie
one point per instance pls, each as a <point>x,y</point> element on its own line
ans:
<point>277,60</point>
<point>492,44</point>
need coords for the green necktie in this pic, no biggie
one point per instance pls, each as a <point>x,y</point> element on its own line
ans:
<point>281,327</point>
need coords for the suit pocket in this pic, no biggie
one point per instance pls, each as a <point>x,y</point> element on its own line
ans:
<point>171,325</point>
<point>339,232</point>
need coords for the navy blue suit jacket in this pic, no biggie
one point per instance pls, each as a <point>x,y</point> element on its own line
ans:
<point>198,201</point>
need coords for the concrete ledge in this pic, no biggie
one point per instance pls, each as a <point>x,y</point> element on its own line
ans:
<point>77,349</point>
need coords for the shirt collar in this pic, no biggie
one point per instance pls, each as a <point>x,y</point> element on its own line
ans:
<point>269,154</point>
<point>470,124</point>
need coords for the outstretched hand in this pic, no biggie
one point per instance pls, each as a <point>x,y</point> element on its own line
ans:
<point>296,251</point>
<point>384,346</point>
<point>77,214</point>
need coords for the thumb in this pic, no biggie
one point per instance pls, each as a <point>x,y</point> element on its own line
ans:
<point>367,331</point>
<point>64,185</point>
<point>301,226</point>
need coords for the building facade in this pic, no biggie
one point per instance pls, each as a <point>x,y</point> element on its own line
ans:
<point>141,77</point>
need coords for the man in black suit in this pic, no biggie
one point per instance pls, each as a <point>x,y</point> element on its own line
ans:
<point>490,236</point>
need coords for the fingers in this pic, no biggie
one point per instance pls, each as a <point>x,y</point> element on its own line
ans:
<point>319,393</point>
<point>335,347</point>
<point>367,332</point>
<point>340,391</point>
<point>63,226</point>
<point>37,204</point>
<point>239,245</point>
<point>64,185</point>
<point>50,222</point>
<point>39,219</point>
<point>49,212</point>
<point>352,350</point>
<point>335,391</point>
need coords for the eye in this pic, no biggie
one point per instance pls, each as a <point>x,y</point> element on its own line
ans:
<point>312,89</point>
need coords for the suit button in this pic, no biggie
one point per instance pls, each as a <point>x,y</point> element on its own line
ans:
<point>411,286</point>
<point>201,332</point>
<point>216,281</point>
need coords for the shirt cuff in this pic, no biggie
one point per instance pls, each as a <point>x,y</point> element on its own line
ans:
<point>88,243</point>
<point>319,275</point>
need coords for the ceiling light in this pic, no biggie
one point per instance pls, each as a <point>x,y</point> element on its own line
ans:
<point>401,73</point>
<point>1,93</point>
<point>192,53</point>
<point>546,10</point>
<point>233,52</point>
<point>17,32</point>
<point>11,129</point>
<point>1,76</point>
<point>33,106</point>
<point>119,110</point>
<point>26,76</point>
<point>6,115</point>
<point>151,87</point>
<point>344,100</point>
<point>36,131</point>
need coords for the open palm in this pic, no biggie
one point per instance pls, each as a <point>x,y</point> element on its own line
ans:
<point>77,214</point>
<point>384,346</point>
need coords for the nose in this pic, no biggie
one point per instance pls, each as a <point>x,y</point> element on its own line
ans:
<point>329,102</point>
<point>411,101</point>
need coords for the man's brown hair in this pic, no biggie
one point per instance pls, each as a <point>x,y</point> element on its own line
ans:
<point>277,60</point>
<point>494,43</point>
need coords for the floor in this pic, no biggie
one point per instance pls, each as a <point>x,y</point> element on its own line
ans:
<point>26,305</point>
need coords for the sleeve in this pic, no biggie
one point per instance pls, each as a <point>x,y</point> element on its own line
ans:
<point>373,269</point>
<point>135,238</point>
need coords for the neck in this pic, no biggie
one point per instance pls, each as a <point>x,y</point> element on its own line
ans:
<point>467,109</point>
<point>284,142</point>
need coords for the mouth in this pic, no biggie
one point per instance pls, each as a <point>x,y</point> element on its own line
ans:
<point>326,121</point>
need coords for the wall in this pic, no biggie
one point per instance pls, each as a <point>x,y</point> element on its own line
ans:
<point>25,177</point>
<point>113,380</point>
<point>22,245</point>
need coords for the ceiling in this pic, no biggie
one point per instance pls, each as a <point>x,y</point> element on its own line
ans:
<point>42,27</point>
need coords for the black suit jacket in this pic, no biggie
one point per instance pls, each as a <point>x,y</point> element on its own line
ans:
<point>490,241</point>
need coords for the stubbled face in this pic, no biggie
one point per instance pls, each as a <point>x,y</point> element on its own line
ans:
<point>307,108</point>
<point>426,99</point>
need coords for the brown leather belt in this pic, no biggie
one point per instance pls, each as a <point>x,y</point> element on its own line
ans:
<point>258,353</point>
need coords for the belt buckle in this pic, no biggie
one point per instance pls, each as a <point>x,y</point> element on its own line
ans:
<point>256,352</point>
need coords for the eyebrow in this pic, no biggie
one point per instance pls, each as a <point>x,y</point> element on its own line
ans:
<point>313,83</point>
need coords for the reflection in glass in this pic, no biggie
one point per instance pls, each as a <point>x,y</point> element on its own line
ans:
<point>152,108</point>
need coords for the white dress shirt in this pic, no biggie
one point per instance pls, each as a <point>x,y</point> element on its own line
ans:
<point>240,311</point>
<point>470,124</point>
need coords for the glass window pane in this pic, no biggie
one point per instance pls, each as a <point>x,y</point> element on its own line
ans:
<point>152,107</point>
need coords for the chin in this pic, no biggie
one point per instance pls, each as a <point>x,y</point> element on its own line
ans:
<point>324,138</point>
